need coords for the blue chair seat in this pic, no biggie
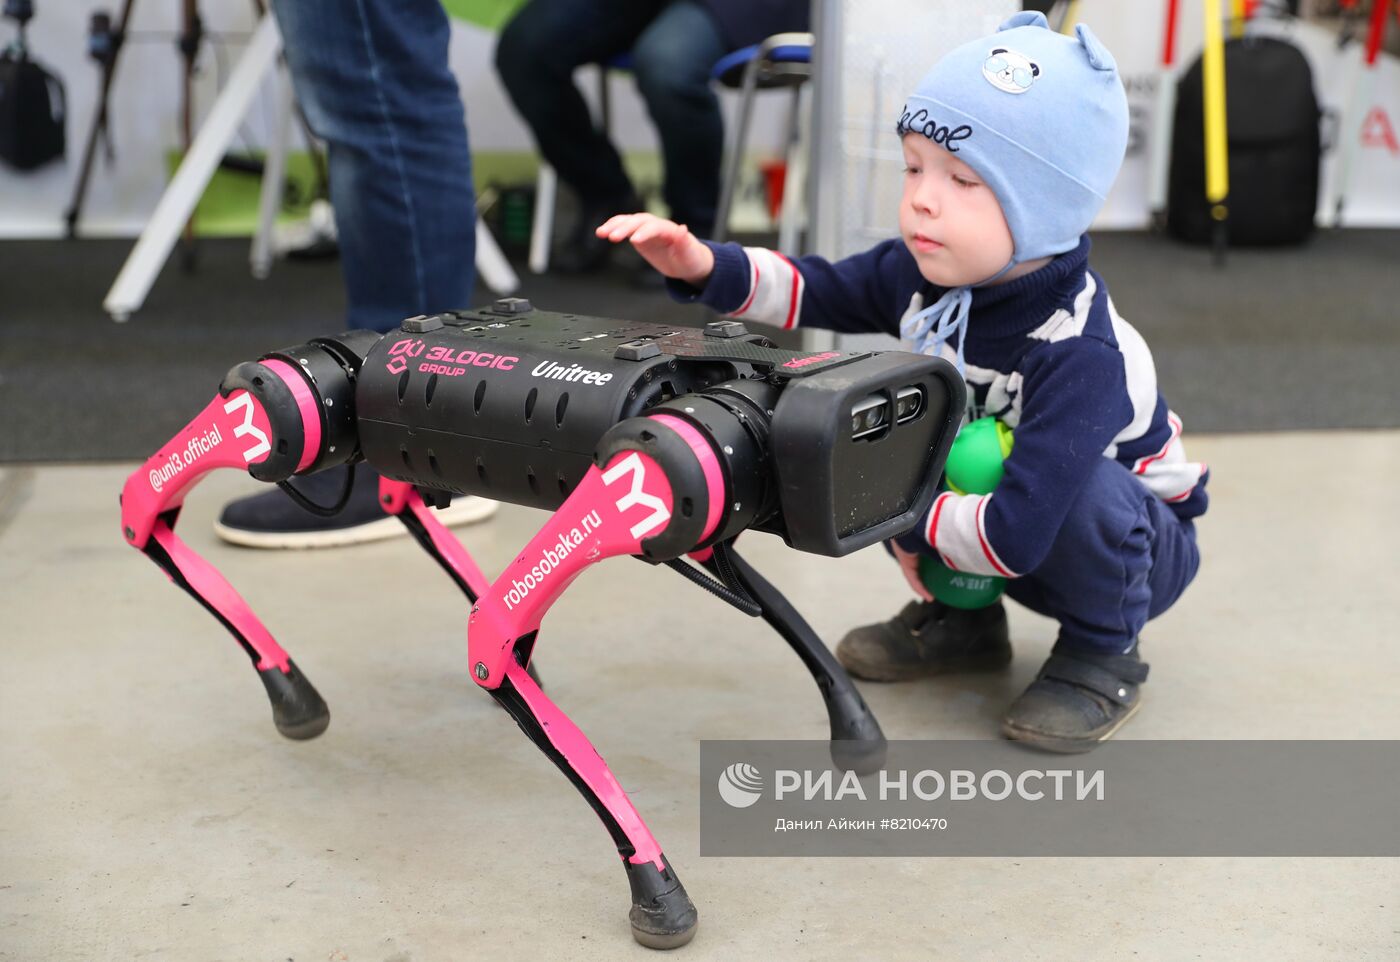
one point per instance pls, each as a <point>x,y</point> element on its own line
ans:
<point>729,69</point>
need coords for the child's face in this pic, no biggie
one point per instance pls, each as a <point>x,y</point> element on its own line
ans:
<point>949,218</point>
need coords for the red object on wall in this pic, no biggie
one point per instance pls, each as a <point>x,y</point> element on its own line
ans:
<point>774,177</point>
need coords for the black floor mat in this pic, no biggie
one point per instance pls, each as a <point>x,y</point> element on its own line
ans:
<point>1278,339</point>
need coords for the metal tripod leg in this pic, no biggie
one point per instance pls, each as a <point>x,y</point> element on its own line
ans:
<point>98,128</point>
<point>139,272</point>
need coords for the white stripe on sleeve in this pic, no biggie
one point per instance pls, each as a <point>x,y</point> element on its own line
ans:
<point>957,530</point>
<point>775,289</point>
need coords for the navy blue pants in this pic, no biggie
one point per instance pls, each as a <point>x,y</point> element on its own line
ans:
<point>1121,558</point>
<point>373,80</point>
<point>674,45</point>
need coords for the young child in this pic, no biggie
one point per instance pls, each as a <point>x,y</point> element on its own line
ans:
<point>1010,145</point>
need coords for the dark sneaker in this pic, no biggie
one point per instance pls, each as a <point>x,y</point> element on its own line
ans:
<point>1078,699</point>
<point>647,279</point>
<point>273,520</point>
<point>928,638</point>
<point>583,251</point>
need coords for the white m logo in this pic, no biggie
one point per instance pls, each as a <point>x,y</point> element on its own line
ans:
<point>632,464</point>
<point>245,401</point>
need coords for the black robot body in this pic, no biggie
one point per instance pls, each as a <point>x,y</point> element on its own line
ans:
<point>832,450</point>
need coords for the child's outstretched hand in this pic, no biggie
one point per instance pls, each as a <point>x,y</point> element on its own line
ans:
<point>667,246</point>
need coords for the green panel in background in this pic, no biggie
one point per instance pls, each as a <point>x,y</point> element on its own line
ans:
<point>229,207</point>
<point>494,168</point>
<point>488,14</point>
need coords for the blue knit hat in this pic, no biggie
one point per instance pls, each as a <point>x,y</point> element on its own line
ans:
<point>1041,117</point>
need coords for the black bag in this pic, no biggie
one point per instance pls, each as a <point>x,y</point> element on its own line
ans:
<point>1274,147</point>
<point>32,111</point>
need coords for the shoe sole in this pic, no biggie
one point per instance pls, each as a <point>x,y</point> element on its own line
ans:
<point>868,671</point>
<point>466,511</point>
<point>1067,746</point>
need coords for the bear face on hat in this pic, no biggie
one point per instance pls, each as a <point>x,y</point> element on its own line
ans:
<point>1010,71</point>
<point>1041,117</point>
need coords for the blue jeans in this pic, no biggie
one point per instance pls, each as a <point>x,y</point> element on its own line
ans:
<point>1121,558</point>
<point>674,45</point>
<point>373,80</point>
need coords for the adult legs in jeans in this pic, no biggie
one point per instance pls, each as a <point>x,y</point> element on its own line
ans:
<point>674,43</point>
<point>373,79</point>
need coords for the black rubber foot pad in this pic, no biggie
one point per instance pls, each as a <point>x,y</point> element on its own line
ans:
<point>857,743</point>
<point>297,709</point>
<point>862,756</point>
<point>662,916</point>
<point>654,941</point>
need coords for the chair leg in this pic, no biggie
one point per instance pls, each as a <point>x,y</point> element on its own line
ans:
<point>542,224</point>
<point>604,102</point>
<point>735,159</point>
<point>491,264</point>
<point>794,181</point>
<point>274,175</point>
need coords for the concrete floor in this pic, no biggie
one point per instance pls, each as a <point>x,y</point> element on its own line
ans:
<point>149,810</point>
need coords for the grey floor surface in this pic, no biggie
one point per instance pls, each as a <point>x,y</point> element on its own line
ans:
<point>148,810</point>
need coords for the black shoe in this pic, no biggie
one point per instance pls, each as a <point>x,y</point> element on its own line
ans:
<point>274,520</point>
<point>648,279</point>
<point>928,638</point>
<point>583,251</point>
<point>1078,699</point>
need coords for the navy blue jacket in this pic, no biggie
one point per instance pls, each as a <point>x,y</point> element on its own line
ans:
<point>1047,353</point>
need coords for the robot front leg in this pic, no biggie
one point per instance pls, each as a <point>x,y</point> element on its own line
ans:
<point>857,742</point>
<point>626,507</point>
<point>662,915</point>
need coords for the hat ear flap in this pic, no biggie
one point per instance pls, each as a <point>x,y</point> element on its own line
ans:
<point>1026,18</point>
<point>1098,54</point>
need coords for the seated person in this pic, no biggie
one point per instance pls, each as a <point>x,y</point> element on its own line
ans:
<point>674,45</point>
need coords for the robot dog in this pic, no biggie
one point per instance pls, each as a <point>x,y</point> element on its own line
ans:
<point>641,440</point>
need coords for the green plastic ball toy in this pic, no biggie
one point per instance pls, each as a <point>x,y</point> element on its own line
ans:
<point>975,460</point>
<point>975,466</point>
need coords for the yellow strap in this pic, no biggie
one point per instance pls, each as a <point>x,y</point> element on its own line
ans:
<point>1213,77</point>
<point>1237,17</point>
